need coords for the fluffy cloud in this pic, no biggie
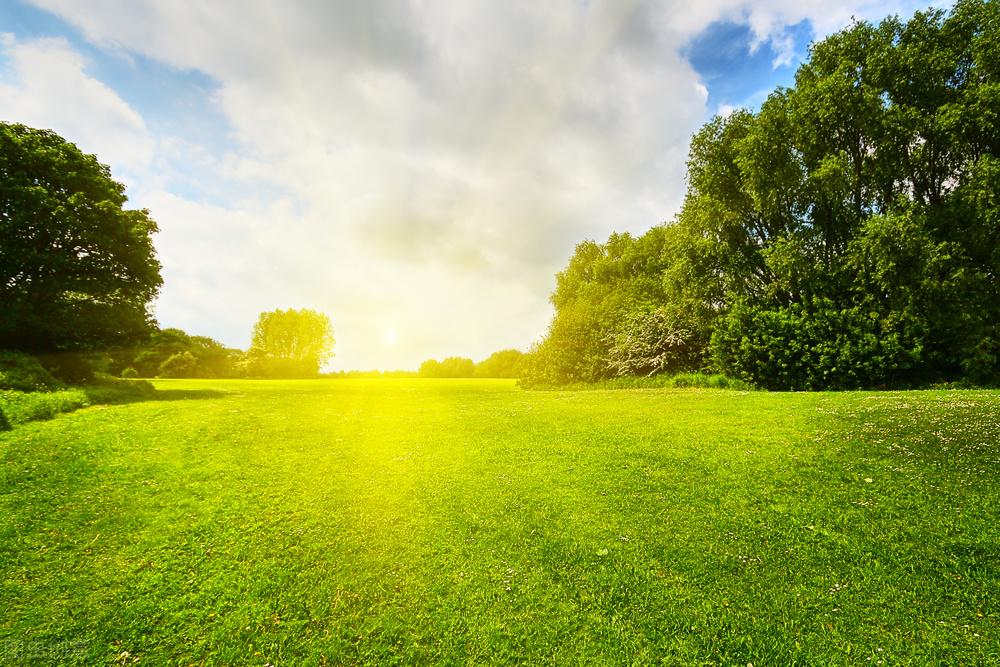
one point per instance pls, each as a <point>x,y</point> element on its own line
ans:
<point>43,83</point>
<point>433,163</point>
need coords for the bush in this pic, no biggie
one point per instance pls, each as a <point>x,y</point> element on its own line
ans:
<point>69,367</point>
<point>181,365</point>
<point>653,342</point>
<point>19,407</point>
<point>129,373</point>
<point>708,381</point>
<point>678,381</point>
<point>815,346</point>
<point>22,372</point>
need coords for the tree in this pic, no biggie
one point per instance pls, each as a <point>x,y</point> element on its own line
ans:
<point>602,284</point>
<point>212,358</point>
<point>845,235</point>
<point>77,269</point>
<point>180,365</point>
<point>452,367</point>
<point>502,364</point>
<point>291,343</point>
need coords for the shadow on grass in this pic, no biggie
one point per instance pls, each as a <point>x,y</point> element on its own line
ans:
<point>186,394</point>
<point>141,391</point>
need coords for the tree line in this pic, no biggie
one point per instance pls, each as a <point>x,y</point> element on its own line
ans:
<point>502,364</point>
<point>845,235</point>
<point>78,273</point>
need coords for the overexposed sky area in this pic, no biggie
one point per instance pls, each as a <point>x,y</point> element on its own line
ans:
<point>416,170</point>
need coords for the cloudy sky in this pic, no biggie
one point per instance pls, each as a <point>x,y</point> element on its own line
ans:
<point>418,170</point>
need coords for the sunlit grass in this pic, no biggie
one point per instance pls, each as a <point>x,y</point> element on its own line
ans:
<point>418,521</point>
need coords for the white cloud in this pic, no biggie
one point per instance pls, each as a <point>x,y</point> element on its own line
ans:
<point>439,160</point>
<point>44,83</point>
<point>725,110</point>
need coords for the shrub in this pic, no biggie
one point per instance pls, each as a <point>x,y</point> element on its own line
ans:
<point>664,381</point>
<point>653,342</point>
<point>180,365</point>
<point>69,367</point>
<point>815,346</point>
<point>19,407</point>
<point>22,372</point>
<point>129,373</point>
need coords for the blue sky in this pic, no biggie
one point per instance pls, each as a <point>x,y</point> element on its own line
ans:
<point>739,73</point>
<point>417,171</point>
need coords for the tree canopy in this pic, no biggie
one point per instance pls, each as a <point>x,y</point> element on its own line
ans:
<point>290,343</point>
<point>77,269</point>
<point>501,364</point>
<point>452,367</point>
<point>847,234</point>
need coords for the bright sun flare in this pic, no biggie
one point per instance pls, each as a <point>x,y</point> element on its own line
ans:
<point>390,337</point>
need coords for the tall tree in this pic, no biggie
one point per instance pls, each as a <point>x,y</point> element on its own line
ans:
<point>291,343</point>
<point>846,234</point>
<point>77,269</point>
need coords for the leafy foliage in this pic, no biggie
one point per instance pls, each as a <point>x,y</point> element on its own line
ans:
<point>77,269</point>
<point>146,358</point>
<point>22,372</point>
<point>452,367</point>
<point>290,343</point>
<point>845,235</point>
<point>502,364</point>
<point>649,343</point>
<point>19,407</point>
<point>180,365</point>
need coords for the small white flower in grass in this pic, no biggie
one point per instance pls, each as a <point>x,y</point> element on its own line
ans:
<point>868,480</point>
<point>601,552</point>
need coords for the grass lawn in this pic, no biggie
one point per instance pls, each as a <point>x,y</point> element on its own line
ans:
<point>438,521</point>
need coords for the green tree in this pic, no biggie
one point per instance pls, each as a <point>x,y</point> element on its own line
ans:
<point>452,367</point>
<point>212,359</point>
<point>845,235</point>
<point>292,343</point>
<point>77,269</point>
<point>502,364</point>
<point>180,365</point>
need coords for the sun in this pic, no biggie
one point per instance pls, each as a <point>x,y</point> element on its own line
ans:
<point>390,337</point>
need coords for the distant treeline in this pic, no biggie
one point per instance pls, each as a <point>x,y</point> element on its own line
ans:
<point>846,235</point>
<point>502,364</point>
<point>164,353</point>
<point>172,353</point>
<point>370,374</point>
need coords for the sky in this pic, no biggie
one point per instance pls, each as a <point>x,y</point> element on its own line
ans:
<point>417,170</point>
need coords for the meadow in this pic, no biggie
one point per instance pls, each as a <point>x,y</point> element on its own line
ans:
<point>468,521</point>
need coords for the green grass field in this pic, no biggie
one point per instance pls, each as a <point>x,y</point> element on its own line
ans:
<point>423,521</point>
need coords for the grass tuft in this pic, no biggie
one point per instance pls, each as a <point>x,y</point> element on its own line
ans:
<point>676,381</point>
